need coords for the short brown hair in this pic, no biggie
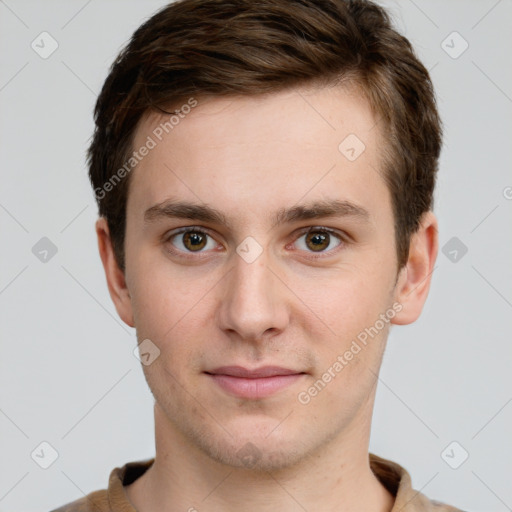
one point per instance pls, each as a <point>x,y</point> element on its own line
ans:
<point>201,48</point>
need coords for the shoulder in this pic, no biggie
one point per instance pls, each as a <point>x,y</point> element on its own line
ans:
<point>96,501</point>
<point>112,499</point>
<point>397,481</point>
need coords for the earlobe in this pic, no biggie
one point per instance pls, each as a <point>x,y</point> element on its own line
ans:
<point>413,283</point>
<point>116,281</point>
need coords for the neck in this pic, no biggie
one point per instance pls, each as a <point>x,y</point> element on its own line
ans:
<point>182,478</point>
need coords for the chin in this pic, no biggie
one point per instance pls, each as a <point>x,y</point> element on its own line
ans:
<point>257,448</point>
<point>256,456</point>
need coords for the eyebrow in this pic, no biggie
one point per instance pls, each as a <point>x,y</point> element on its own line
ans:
<point>171,208</point>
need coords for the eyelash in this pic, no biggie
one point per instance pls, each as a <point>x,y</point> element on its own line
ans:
<point>315,229</point>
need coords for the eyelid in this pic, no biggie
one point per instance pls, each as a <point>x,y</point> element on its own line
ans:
<point>179,231</point>
<point>340,234</point>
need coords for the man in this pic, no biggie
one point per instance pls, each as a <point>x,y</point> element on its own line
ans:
<point>264,172</point>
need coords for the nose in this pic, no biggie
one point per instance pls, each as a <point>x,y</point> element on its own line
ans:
<point>253,304</point>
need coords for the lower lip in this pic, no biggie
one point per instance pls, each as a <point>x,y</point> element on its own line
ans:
<point>254,388</point>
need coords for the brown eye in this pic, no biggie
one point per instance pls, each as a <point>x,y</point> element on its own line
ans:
<point>191,240</point>
<point>194,241</point>
<point>319,240</point>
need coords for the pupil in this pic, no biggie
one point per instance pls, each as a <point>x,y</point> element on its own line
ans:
<point>194,239</point>
<point>318,240</point>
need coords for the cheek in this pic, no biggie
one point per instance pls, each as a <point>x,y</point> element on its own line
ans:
<point>173,309</point>
<point>164,295</point>
<point>346,300</point>
<point>348,362</point>
<point>347,332</point>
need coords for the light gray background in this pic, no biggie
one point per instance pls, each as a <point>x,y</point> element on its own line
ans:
<point>68,374</point>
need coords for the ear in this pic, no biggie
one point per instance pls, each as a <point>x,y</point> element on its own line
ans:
<point>413,283</point>
<point>115,277</point>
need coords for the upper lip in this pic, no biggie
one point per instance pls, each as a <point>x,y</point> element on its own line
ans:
<point>264,371</point>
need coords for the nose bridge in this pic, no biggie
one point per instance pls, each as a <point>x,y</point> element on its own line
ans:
<point>253,301</point>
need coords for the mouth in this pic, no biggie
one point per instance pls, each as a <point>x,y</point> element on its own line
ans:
<point>254,384</point>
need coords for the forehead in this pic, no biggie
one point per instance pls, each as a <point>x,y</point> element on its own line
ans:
<point>313,116</point>
<point>262,152</point>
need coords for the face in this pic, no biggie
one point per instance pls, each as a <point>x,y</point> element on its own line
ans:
<point>255,240</point>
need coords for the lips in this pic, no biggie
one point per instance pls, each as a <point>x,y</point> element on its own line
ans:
<point>265,371</point>
<point>253,384</point>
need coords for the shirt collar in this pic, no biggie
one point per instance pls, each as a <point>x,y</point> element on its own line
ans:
<point>393,476</point>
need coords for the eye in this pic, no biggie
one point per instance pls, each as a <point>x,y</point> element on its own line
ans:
<point>194,240</point>
<point>191,240</point>
<point>319,239</point>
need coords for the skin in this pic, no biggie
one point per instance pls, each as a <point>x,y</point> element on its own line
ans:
<point>248,157</point>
